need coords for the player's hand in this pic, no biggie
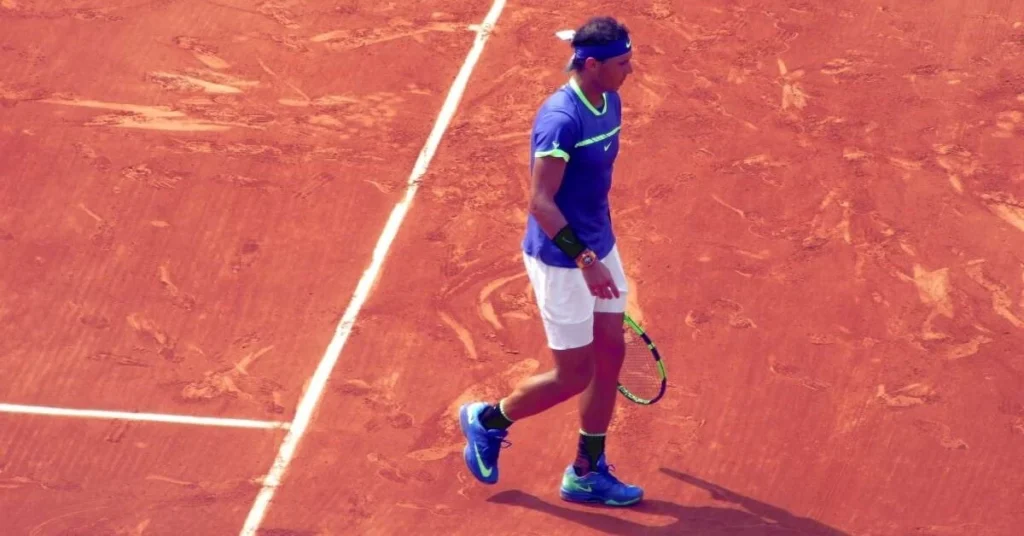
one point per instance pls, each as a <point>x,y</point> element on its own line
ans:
<point>599,281</point>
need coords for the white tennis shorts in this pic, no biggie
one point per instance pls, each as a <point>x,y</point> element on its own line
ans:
<point>566,305</point>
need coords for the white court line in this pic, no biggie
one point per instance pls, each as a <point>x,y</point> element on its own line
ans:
<point>138,416</point>
<point>311,398</point>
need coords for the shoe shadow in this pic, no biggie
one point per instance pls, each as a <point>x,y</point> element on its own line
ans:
<point>752,517</point>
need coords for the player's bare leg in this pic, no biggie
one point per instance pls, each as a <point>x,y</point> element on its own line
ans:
<point>486,425</point>
<point>571,376</point>
<point>589,478</point>
<point>597,402</point>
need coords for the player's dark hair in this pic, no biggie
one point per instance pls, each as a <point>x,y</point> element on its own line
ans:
<point>597,31</point>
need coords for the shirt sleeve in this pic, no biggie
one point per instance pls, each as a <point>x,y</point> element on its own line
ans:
<point>555,134</point>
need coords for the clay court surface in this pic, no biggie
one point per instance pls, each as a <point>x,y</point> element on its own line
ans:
<point>820,206</point>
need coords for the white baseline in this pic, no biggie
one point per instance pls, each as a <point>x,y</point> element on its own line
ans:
<point>139,416</point>
<point>311,398</point>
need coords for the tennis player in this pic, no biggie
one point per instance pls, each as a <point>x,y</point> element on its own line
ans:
<point>574,267</point>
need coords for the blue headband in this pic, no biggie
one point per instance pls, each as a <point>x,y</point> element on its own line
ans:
<point>602,52</point>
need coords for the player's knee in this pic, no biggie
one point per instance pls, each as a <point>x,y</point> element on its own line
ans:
<point>610,349</point>
<point>574,378</point>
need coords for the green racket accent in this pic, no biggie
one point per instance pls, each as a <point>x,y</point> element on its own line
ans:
<point>659,375</point>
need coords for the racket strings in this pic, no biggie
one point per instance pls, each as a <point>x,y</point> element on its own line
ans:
<point>639,374</point>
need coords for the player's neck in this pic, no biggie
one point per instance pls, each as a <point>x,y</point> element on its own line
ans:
<point>590,90</point>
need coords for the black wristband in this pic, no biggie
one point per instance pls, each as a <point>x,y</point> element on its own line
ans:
<point>569,243</point>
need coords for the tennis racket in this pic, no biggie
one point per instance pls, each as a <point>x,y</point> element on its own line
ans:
<point>642,378</point>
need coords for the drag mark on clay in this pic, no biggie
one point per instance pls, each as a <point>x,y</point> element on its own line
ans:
<point>204,53</point>
<point>824,231</point>
<point>381,397</point>
<point>226,381</point>
<point>1001,302</point>
<point>349,39</point>
<point>312,185</point>
<point>933,289</point>
<point>486,308</point>
<point>150,332</point>
<point>793,95</point>
<point>103,233</point>
<point>183,82</point>
<point>266,68</point>
<point>1007,123</point>
<point>148,111</point>
<point>278,12</point>
<point>21,481</point>
<point>158,478</point>
<point>462,333</point>
<point>436,509</point>
<point>140,116</point>
<point>366,110</point>
<point>701,319</point>
<point>908,166</point>
<point>190,125</point>
<point>119,359</point>
<point>38,530</point>
<point>942,433</point>
<point>140,529</point>
<point>158,180</point>
<point>740,212</point>
<point>791,372</point>
<point>958,163</point>
<point>1006,207</point>
<point>914,394</point>
<point>434,454</point>
<point>387,469</point>
<point>242,181</point>
<point>91,214</point>
<point>178,298</point>
<point>967,349</point>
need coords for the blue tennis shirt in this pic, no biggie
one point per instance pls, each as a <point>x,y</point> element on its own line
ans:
<point>567,126</point>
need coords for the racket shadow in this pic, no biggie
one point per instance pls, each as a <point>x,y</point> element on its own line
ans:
<point>755,519</point>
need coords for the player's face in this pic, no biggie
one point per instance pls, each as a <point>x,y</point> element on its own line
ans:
<point>613,71</point>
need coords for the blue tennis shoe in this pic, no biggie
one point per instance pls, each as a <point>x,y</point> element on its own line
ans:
<point>482,445</point>
<point>598,486</point>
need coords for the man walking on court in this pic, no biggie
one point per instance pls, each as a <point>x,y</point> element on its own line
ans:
<point>574,267</point>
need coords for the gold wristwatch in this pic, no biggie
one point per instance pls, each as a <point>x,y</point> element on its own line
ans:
<point>586,259</point>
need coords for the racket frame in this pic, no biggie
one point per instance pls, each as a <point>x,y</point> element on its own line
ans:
<point>639,331</point>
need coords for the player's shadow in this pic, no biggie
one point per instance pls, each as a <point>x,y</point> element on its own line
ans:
<point>748,517</point>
